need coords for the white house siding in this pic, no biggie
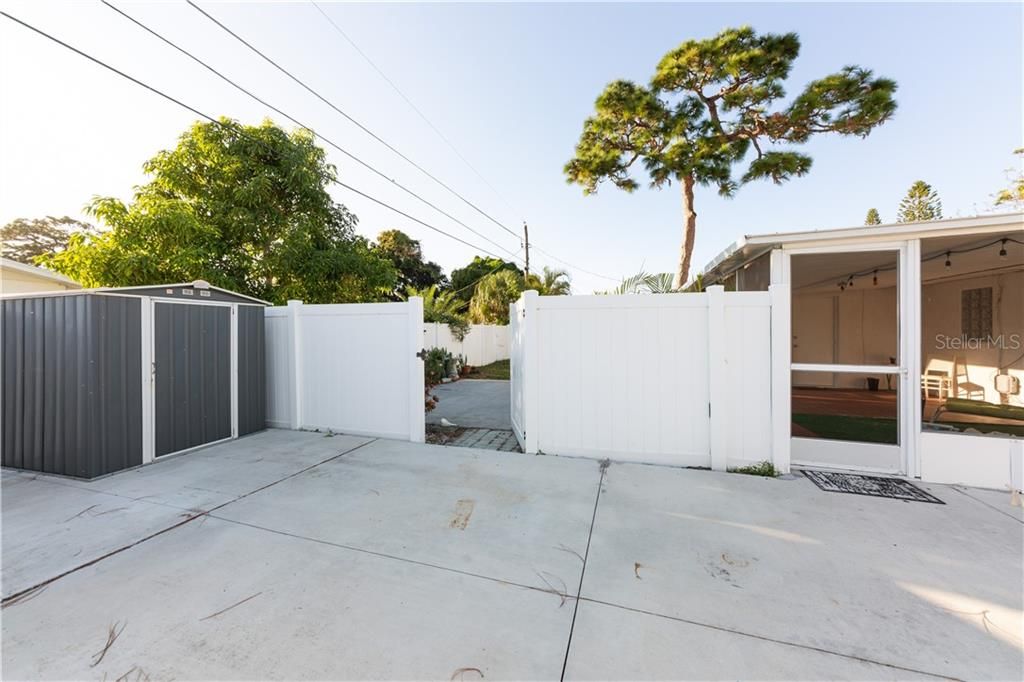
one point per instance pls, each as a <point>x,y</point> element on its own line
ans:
<point>18,280</point>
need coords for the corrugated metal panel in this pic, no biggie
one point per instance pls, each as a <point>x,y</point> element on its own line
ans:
<point>72,384</point>
<point>192,345</point>
<point>252,370</point>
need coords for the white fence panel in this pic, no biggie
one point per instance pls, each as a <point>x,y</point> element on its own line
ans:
<point>484,344</point>
<point>624,377</point>
<point>350,368</point>
<point>279,363</point>
<point>680,379</point>
<point>745,379</point>
<point>517,372</point>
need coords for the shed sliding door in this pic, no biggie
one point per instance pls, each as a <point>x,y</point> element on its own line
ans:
<point>192,375</point>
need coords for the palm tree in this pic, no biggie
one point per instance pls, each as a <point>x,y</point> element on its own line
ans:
<point>645,283</point>
<point>552,283</point>
<point>444,307</point>
<point>492,297</point>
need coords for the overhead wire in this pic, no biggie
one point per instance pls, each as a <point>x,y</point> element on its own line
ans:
<point>443,137</point>
<point>411,104</point>
<point>350,118</point>
<point>235,129</point>
<point>291,118</point>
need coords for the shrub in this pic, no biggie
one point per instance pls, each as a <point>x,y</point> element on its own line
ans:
<point>433,371</point>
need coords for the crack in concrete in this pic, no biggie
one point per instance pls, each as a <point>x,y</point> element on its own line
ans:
<point>983,502</point>
<point>12,599</point>
<point>384,555</point>
<point>603,468</point>
<point>765,638</point>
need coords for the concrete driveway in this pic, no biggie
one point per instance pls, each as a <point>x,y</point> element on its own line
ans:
<point>295,555</point>
<point>474,403</point>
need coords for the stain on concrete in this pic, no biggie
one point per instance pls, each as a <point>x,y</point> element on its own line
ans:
<point>463,510</point>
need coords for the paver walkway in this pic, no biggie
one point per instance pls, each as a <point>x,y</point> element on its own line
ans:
<point>487,439</point>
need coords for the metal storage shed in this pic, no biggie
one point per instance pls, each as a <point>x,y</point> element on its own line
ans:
<point>100,380</point>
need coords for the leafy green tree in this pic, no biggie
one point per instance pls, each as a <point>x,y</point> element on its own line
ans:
<point>243,207</point>
<point>1014,194</point>
<point>24,240</point>
<point>444,307</point>
<point>921,203</point>
<point>493,295</point>
<point>464,280</point>
<point>708,105</point>
<point>406,256</point>
<point>549,283</point>
<point>872,217</point>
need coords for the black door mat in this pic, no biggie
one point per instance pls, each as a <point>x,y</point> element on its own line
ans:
<point>873,486</point>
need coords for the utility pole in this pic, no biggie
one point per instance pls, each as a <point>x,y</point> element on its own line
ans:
<point>526,245</point>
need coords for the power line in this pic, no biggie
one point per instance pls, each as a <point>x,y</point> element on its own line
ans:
<point>481,277</point>
<point>408,101</point>
<point>574,267</point>
<point>441,135</point>
<point>359,125</point>
<point>369,132</point>
<point>211,119</point>
<point>299,123</point>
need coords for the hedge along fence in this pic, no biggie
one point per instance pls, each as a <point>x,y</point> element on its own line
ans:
<point>484,344</point>
<point>680,379</point>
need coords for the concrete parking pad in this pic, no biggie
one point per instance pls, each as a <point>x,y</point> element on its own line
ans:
<point>932,588</point>
<point>50,528</point>
<point>53,524</point>
<point>218,600</point>
<point>400,561</point>
<point>475,403</point>
<point>507,516</point>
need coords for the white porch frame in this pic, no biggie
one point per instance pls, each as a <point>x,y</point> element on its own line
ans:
<point>908,350</point>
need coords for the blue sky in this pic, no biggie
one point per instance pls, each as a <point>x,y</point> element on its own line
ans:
<point>510,85</point>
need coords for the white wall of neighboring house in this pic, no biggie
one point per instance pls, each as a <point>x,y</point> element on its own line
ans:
<point>19,278</point>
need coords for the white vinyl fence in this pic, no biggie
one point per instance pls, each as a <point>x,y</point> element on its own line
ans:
<point>681,379</point>
<point>350,368</point>
<point>484,344</point>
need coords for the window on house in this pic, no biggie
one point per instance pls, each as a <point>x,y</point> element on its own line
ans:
<point>976,313</point>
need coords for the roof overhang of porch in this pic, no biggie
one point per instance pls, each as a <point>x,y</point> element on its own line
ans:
<point>751,247</point>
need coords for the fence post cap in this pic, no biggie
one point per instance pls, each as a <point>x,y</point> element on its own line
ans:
<point>294,302</point>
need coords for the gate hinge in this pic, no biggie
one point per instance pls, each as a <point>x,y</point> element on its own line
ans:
<point>709,410</point>
<point>422,354</point>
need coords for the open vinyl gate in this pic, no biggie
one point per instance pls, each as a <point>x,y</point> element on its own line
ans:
<point>679,379</point>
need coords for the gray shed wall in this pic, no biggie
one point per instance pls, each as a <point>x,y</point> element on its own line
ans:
<point>252,370</point>
<point>192,382</point>
<point>71,396</point>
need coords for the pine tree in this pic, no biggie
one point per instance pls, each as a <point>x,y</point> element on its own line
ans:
<point>873,218</point>
<point>921,203</point>
<point>711,105</point>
